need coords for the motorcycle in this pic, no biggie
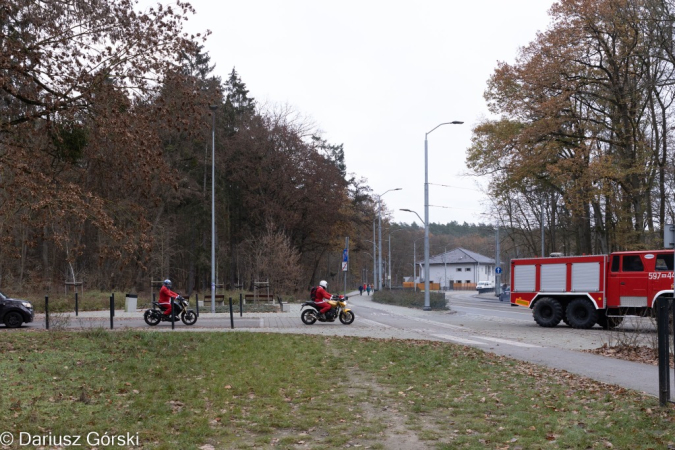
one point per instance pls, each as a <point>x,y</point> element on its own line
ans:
<point>180,308</point>
<point>338,309</point>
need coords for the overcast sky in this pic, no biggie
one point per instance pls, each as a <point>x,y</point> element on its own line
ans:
<point>376,76</point>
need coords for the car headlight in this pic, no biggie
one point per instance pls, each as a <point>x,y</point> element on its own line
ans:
<point>28,305</point>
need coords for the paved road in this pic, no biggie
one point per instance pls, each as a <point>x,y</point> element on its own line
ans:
<point>476,321</point>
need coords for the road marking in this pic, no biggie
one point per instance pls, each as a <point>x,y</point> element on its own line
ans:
<point>438,324</point>
<point>377,324</point>
<point>458,339</point>
<point>507,342</point>
<point>472,342</point>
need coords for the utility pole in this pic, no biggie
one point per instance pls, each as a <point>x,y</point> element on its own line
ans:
<point>345,262</point>
<point>374,257</point>
<point>498,273</point>
<point>445,267</point>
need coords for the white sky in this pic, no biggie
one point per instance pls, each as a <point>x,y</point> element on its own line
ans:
<point>377,75</point>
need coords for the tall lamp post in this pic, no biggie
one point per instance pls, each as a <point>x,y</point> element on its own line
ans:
<point>379,227</point>
<point>414,249</point>
<point>374,255</point>
<point>213,208</point>
<point>427,302</point>
<point>389,254</point>
<point>445,269</point>
<point>415,256</point>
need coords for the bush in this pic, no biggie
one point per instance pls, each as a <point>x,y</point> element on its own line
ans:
<point>410,299</point>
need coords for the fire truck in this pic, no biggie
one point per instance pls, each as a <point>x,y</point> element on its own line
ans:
<point>583,291</point>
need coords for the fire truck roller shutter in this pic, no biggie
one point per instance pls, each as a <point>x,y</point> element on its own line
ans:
<point>581,313</point>
<point>548,312</point>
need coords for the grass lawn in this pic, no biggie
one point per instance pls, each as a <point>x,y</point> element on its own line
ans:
<point>232,390</point>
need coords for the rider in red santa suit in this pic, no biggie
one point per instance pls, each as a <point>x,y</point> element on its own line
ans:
<point>322,295</point>
<point>165,296</point>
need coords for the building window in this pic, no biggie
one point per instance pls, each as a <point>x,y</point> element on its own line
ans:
<point>459,269</point>
<point>468,269</point>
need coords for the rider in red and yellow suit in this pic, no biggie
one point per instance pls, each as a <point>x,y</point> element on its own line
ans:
<point>321,296</point>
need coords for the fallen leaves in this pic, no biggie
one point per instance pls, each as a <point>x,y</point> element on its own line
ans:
<point>635,353</point>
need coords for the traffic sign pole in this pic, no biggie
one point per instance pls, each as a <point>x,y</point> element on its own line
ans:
<point>345,262</point>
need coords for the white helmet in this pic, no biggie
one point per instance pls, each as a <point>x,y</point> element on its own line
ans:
<point>167,283</point>
<point>323,284</point>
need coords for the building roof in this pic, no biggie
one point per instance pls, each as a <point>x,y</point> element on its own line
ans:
<point>459,256</point>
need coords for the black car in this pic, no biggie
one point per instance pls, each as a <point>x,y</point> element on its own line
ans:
<point>14,312</point>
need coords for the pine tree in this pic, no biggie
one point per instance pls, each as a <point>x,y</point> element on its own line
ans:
<point>197,64</point>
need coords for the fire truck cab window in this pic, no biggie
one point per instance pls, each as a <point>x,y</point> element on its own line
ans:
<point>664,262</point>
<point>616,262</point>
<point>632,263</point>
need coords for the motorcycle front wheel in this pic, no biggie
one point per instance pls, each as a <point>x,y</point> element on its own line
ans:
<point>152,318</point>
<point>189,317</point>
<point>309,316</point>
<point>346,317</point>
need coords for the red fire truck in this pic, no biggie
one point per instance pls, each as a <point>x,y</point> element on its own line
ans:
<point>585,290</point>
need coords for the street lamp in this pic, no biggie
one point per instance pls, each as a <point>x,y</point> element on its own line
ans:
<point>427,302</point>
<point>414,249</point>
<point>213,208</point>
<point>445,269</point>
<point>379,226</point>
<point>374,242</point>
<point>389,254</point>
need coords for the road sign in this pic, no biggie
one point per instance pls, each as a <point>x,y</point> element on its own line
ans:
<point>498,270</point>
<point>669,236</point>
<point>344,266</point>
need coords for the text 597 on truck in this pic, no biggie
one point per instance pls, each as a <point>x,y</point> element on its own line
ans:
<point>585,290</point>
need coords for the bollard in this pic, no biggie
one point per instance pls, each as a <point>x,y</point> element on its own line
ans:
<point>47,312</point>
<point>197,303</point>
<point>76,308</point>
<point>112,310</point>
<point>231,315</point>
<point>663,307</point>
<point>173,315</point>
<point>241,305</point>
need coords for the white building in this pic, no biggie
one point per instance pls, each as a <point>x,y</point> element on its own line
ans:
<point>458,266</point>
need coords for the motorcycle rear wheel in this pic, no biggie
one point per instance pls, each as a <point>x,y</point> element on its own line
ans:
<point>347,317</point>
<point>152,318</point>
<point>189,317</point>
<point>309,316</point>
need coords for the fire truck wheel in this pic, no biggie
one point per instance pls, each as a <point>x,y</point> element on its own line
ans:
<point>565,320</point>
<point>548,312</point>
<point>581,313</point>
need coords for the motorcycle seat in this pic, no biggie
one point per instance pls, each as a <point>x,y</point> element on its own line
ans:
<point>162,306</point>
